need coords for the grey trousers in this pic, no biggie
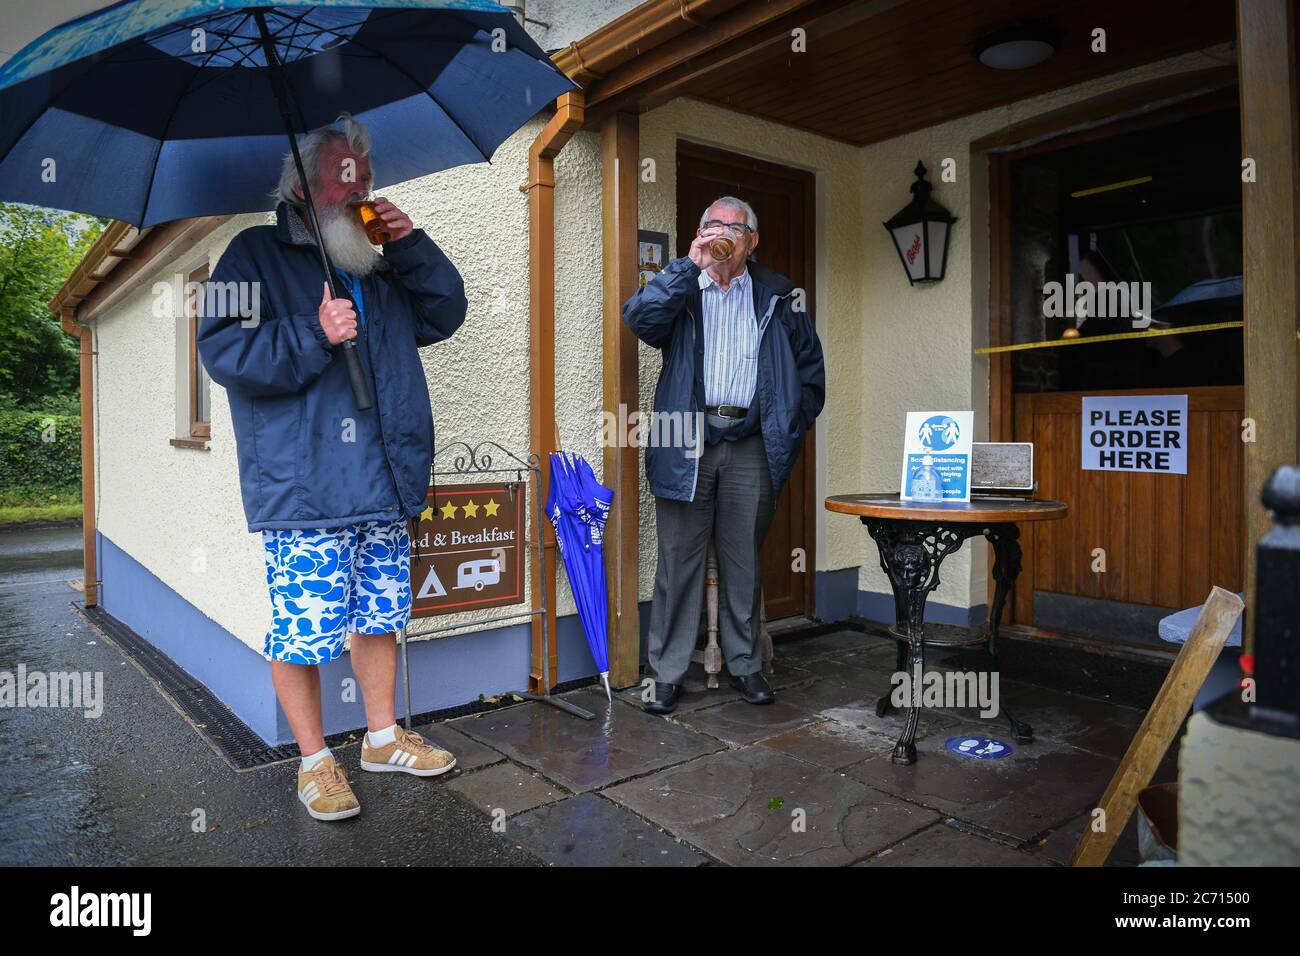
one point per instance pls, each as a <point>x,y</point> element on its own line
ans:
<point>734,503</point>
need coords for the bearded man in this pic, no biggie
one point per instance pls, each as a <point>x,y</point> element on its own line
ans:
<point>331,487</point>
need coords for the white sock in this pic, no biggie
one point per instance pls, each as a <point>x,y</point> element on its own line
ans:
<point>382,738</point>
<point>310,762</point>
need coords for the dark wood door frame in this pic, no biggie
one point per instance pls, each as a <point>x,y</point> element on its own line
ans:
<point>806,181</point>
<point>1101,117</point>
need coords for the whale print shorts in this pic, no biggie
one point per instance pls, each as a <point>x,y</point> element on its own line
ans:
<point>326,584</point>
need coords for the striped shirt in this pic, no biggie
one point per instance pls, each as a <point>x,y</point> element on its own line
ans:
<point>730,341</point>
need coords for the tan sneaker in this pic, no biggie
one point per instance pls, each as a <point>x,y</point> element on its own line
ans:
<point>407,754</point>
<point>325,792</point>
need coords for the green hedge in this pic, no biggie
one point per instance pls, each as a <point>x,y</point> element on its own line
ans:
<point>39,450</point>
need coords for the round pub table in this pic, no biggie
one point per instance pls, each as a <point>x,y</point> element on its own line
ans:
<point>914,537</point>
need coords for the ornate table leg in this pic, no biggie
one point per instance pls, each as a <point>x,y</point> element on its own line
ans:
<point>1005,539</point>
<point>884,705</point>
<point>910,554</point>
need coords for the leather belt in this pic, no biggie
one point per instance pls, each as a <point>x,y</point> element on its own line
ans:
<point>727,411</point>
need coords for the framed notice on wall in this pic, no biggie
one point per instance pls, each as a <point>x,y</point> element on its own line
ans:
<point>471,548</point>
<point>1135,433</point>
<point>651,254</point>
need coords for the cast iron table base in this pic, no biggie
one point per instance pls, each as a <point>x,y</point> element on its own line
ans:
<point>910,554</point>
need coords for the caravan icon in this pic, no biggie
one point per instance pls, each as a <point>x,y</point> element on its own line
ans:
<point>477,574</point>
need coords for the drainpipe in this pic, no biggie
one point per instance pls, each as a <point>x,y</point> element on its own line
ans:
<point>90,569</point>
<point>540,188</point>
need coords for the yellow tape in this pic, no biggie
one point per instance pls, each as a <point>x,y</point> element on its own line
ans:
<point>1079,194</point>
<point>1113,337</point>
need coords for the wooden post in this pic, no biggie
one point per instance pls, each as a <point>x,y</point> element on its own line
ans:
<point>620,163</point>
<point>1266,54</point>
<point>89,556</point>
<point>1177,693</point>
<point>541,336</point>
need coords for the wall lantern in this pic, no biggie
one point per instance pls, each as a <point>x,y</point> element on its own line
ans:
<point>920,233</point>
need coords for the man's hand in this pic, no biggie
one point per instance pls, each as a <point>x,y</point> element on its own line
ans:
<point>337,318</point>
<point>699,253</point>
<point>397,222</point>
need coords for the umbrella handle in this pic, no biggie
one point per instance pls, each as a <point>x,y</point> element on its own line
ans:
<point>360,388</point>
<point>357,378</point>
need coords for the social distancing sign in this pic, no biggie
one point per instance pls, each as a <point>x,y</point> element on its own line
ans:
<point>1135,433</point>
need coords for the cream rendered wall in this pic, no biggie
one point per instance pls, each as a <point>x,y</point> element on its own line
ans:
<point>837,293</point>
<point>569,20</point>
<point>920,341</point>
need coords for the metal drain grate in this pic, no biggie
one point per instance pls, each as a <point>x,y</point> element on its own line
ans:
<point>216,723</point>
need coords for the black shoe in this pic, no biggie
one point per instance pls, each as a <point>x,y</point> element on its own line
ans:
<point>665,699</point>
<point>754,688</point>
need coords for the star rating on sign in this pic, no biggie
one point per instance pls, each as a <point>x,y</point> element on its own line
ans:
<point>470,509</point>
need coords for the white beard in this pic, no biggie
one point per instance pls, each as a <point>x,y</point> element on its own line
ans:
<point>346,241</point>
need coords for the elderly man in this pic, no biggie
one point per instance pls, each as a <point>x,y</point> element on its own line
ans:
<point>739,347</point>
<point>331,487</point>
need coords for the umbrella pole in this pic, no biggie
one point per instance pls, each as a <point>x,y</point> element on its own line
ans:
<point>360,390</point>
<point>406,677</point>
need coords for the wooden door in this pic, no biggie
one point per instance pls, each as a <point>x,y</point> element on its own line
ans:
<point>783,199</point>
<point>1167,538</point>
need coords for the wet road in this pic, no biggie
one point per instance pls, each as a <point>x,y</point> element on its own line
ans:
<point>137,785</point>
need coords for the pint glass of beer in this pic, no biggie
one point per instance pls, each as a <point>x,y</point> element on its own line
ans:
<point>376,231</point>
<point>722,247</point>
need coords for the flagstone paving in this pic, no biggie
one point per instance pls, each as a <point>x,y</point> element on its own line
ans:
<point>756,806</point>
<point>506,788</point>
<point>588,830</point>
<point>621,742</point>
<point>944,845</point>
<point>807,780</point>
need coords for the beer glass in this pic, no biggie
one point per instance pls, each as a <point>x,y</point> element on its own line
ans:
<point>722,247</point>
<point>370,220</point>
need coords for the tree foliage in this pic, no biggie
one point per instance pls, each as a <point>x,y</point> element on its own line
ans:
<point>38,250</point>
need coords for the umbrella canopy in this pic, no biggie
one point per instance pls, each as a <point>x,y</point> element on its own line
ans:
<point>578,506</point>
<point>153,110</point>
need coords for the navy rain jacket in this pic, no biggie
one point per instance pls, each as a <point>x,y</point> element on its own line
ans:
<point>308,458</point>
<point>667,313</point>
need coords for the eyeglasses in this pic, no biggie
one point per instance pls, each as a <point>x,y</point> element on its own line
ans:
<point>737,229</point>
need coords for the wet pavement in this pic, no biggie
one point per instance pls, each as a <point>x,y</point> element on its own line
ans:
<point>806,781</point>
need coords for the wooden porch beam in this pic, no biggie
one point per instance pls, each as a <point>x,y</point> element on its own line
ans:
<point>1266,56</point>
<point>540,188</point>
<point>619,161</point>
<point>732,37</point>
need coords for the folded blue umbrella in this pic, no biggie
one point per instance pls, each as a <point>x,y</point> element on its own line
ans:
<point>578,506</point>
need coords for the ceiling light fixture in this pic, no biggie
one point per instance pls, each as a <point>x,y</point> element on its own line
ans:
<point>1016,48</point>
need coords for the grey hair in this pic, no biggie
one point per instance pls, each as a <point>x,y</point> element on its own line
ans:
<point>312,145</point>
<point>731,202</point>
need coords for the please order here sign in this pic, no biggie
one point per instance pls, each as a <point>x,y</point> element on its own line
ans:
<point>1135,433</point>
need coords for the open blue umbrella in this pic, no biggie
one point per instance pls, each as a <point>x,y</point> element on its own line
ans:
<point>578,506</point>
<point>152,110</point>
